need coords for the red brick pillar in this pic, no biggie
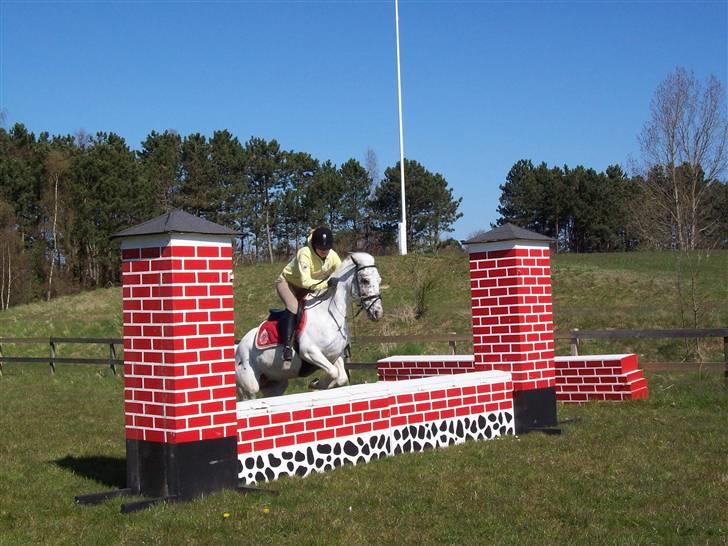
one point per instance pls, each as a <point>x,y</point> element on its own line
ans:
<point>510,284</point>
<point>179,368</point>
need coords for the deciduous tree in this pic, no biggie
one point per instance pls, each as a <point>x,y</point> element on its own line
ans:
<point>685,150</point>
<point>57,166</point>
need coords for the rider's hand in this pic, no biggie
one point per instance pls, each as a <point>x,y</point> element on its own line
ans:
<point>332,282</point>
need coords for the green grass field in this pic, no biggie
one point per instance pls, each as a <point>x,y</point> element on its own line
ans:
<point>645,472</point>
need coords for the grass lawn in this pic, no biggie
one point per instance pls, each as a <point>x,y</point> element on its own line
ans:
<point>643,472</point>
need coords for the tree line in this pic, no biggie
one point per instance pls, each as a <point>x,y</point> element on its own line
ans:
<point>588,211</point>
<point>676,199</point>
<point>61,197</point>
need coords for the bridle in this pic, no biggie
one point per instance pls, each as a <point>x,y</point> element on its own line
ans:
<point>365,302</point>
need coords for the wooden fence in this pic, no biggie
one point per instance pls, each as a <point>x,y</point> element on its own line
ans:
<point>574,337</point>
<point>577,335</point>
<point>52,359</point>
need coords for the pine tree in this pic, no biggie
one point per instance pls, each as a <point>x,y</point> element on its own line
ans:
<point>430,206</point>
<point>160,161</point>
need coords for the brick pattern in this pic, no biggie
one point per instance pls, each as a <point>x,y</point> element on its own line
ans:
<point>599,377</point>
<point>398,368</point>
<point>276,428</point>
<point>457,400</point>
<point>512,314</point>
<point>271,427</point>
<point>179,368</point>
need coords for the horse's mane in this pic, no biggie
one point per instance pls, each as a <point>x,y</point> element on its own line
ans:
<point>359,258</point>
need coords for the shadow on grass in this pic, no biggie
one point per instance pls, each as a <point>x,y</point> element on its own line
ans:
<point>109,471</point>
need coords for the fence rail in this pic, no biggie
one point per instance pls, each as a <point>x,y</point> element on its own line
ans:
<point>451,338</point>
<point>574,337</point>
<point>53,357</point>
<point>577,335</point>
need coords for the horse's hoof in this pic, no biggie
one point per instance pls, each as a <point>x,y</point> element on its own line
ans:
<point>314,384</point>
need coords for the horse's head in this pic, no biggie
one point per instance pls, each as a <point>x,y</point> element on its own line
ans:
<point>366,285</point>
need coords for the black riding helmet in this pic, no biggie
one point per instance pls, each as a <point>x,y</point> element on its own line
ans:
<point>322,238</point>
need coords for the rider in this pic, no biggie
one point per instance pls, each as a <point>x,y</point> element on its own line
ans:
<point>311,268</point>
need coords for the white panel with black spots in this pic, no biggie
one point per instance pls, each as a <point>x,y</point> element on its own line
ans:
<point>303,459</point>
<point>447,432</point>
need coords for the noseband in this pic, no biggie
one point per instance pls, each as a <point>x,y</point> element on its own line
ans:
<point>363,300</point>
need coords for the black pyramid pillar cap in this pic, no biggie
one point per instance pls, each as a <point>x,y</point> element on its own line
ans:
<point>507,232</point>
<point>175,221</point>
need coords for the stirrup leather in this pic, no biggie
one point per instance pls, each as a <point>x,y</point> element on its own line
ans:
<point>287,353</point>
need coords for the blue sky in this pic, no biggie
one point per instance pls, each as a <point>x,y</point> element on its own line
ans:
<point>485,83</point>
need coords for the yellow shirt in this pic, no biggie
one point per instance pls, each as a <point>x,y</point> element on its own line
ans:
<point>307,270</point>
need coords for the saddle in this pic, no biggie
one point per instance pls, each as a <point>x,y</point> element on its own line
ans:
<point>269,333</point>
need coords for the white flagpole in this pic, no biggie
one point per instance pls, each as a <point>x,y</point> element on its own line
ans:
<point>403,223</point>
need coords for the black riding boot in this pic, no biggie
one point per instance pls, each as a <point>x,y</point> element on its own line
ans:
<point>288,327</point>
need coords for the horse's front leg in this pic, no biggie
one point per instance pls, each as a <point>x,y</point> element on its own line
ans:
<point>343,377</point>
<point>316,357</point>
<point>246,378</point>
<point>329,383</point>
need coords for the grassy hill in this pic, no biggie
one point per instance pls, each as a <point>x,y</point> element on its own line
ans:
<point>594,291</point>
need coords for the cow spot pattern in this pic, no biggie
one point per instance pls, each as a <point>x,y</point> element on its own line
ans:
<point>304,459</point>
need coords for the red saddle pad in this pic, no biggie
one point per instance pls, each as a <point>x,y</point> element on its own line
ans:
<point>268,333</point>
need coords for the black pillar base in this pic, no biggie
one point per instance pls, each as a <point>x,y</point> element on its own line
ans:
<point>535,410</point>
<point>175,472</point>
<point>183,470</point>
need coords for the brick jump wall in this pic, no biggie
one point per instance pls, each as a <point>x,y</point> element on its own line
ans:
<point>185,434</point>
<point>398,368</point>
<point>313,432</point>
<point>599,377</point>
<point>578,378</point>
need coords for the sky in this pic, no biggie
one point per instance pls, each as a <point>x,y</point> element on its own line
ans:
<point>484,83</point>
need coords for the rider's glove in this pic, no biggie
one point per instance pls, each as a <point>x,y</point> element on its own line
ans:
<point>332,282</point>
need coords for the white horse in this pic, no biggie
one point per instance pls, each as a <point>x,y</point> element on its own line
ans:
<point>323,340</point>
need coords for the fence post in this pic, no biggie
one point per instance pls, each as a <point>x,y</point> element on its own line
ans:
<point>53,356</point>
<point>575,342</point>
<point>112,357</point>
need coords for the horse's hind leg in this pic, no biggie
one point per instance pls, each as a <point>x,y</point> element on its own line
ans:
<point>274,388</point>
